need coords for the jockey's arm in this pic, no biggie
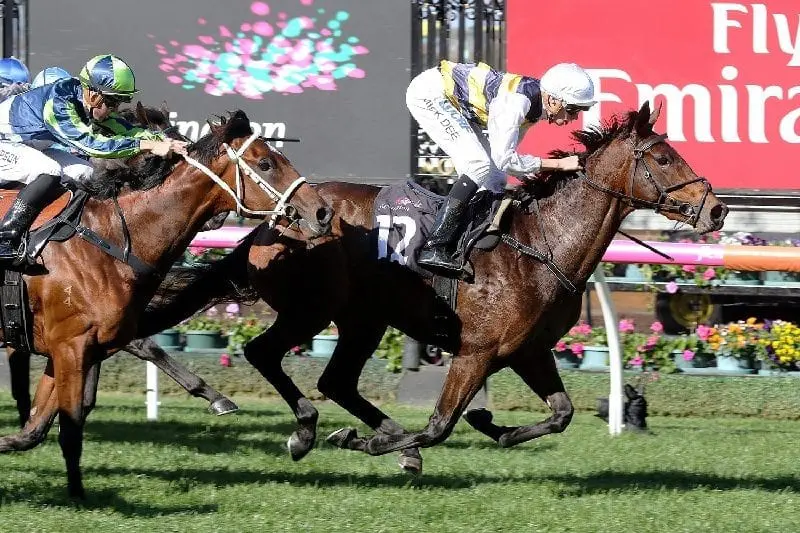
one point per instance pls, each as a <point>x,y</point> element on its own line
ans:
<point>506,114</point>
<point>15,88</point>
<point>122,127</point>
<point>63,120</point>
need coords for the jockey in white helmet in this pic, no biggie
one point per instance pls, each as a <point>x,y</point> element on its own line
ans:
<point>455,102</point>
<point>49,75</point>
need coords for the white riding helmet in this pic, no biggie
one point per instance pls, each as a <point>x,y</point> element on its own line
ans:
<point>569,83</point>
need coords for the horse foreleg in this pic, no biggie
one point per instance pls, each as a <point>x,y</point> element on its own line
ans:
<point>41,416</point>
<point>339,382</point>
<point>466,376</point>
<point>70,361</point>
<point>538,370</point>
<point>148,350</point>
<point>19,364</point>
<point>90,389</point>
<point>266,352</point>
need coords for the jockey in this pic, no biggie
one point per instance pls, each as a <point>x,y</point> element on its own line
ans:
<point>14,77</point>
<point>454,102</point>
<point>75,112</point>
<point>49,75</point>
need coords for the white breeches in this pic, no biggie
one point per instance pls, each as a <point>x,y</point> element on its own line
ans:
<point>22,163</point>
<point>464,142</point>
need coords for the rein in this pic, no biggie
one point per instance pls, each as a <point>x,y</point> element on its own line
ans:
<point>281,198</point>
<point>664,204</point>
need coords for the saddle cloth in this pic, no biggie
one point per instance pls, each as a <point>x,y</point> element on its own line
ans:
<point>404,215</point>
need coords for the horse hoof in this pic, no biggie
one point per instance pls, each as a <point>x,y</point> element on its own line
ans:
<point>298,448</point>
<point>410,464</point>
<point>223,406</point>
<point>341,437</point>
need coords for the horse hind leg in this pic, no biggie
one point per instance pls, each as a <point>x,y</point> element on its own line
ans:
<point>538,370</point>
<point>465,377</point>
<point>266,352</point>
<point>339,382</point>
<point>19,363</point>
<point>41,416</point>
<point>148,350</point>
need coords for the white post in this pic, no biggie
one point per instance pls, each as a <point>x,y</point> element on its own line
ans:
<point>152,391</point>
<point>615,404</point>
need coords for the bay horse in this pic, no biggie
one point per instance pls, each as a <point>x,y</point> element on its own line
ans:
<point>154,119</point>
<point>511,315</point>
<point>87,305</point>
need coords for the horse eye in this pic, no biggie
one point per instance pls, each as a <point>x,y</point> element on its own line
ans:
<point>265,164</point>
<point>662,160</point>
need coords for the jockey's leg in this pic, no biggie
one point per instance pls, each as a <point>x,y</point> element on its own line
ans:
<point>448,128</point>
<point>27,206</point>
<point>42,175</point>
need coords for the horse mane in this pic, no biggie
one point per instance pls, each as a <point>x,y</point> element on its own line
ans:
<point>146,171</point>
<point>207,147</point>
<point>593,139</point>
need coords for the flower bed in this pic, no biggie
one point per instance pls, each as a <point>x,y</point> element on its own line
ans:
<point>744,346</point>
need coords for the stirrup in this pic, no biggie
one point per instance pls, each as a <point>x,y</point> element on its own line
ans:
<point>431,259</point>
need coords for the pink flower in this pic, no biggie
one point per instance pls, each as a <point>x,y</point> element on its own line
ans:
<point>561,346</point>
<point>232,310</point>
<point>583,328</point>
<point>577,348</point>
<point>636,361</point>
<point>672,287</point>
<point>657,327</point>
<point>626,326</point>
<point>688,355</point>
<point>703,332</point>
<point>652,340</point>
<point>709,274</point>
<point>197,250</point>
<point>689,268</point>
<point>212,311</point>
<point>225,360</point>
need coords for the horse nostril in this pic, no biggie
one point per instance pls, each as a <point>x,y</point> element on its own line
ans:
<point>324,215</point>
<point>718,212</point>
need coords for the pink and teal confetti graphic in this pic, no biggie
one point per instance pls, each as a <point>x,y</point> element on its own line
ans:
<point>273,53</point>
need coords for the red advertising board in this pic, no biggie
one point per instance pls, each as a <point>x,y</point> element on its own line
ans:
<point>727,74</point>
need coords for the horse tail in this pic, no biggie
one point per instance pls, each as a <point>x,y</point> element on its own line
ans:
<point>185,291</point>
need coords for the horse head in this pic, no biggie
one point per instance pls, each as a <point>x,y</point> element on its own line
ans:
<point>256,179</point>
<point>638,166</point>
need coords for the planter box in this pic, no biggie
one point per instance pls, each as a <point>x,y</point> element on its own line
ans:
<point>594,358</point>
<point>731,365</point>
<point>204,341</point>
<point>323,345</point>
<point>169,339</point>
<point>566,359</point>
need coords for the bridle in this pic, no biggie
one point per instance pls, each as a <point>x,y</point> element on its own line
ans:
<point>282,207</point>
<point>665,203</point>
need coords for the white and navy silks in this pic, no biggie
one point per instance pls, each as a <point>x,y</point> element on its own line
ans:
<point>454,102</point>
<point>36,125</point>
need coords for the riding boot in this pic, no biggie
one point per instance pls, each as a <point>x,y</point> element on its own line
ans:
<point>436,255</point>
<point>26,207</point>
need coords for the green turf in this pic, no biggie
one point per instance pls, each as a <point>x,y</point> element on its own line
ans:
<point>193,472</point>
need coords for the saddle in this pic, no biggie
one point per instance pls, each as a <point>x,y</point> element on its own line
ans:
<point>404,217</point>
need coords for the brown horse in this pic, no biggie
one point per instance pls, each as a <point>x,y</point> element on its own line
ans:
<point>510,316</point>
<point>156,119</point>
<point>87,304</point>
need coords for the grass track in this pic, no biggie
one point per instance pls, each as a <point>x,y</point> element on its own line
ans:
<point>193,472</point>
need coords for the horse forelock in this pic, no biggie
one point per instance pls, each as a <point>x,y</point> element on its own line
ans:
<point>235,126</point>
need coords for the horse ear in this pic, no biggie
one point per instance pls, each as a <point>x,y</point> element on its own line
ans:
<point>630,392</point>
<point>164,110</point>
<point>141,116</point>
<point>643,126</point>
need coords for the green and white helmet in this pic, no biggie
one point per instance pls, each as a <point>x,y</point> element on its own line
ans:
<point>109,75</point>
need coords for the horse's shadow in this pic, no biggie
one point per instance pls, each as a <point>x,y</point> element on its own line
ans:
<point>97,499</point>
<point>576,485</point>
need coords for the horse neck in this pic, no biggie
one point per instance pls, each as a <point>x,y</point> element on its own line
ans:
<point>163,220</point>
<point>579,223</point>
